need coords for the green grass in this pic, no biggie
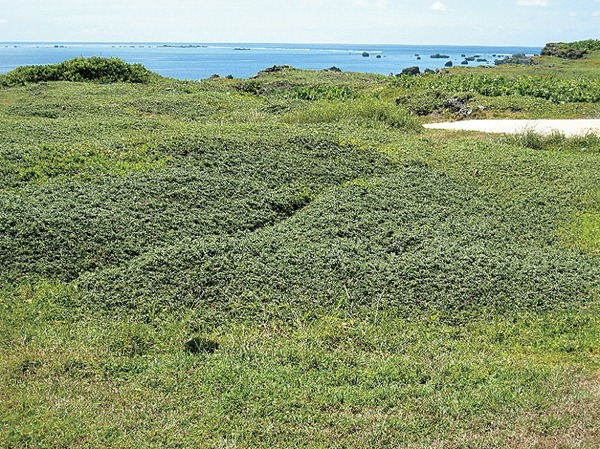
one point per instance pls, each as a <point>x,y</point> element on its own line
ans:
<point>337,380</point>
<point>366,283</point>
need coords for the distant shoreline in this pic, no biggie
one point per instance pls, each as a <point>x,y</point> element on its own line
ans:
<point>193,61</point>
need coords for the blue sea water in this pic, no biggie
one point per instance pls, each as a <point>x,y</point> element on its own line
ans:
<point>242,60</point>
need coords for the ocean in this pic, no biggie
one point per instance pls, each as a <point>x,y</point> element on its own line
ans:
<point>242,60</point>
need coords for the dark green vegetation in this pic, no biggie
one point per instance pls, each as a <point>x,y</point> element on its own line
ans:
<point>571,50</point>
<point>80,69</point>
<point>291,261</point>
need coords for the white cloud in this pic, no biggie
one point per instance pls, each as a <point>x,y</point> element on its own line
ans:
<point>532,2</point>
<point>439,6</point>
<point>573,14</point>
<point>372,3</point>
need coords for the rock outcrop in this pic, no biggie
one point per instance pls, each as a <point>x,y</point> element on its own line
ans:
<point>458,106</point>
<point>411,71</point>
<point>518,58</point>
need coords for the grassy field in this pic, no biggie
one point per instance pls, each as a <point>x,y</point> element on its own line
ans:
<point>291,260</point>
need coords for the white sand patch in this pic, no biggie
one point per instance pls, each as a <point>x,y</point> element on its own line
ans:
<point>569,128</point>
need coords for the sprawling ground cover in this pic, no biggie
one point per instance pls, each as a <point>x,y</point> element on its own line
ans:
<point>350,280</point>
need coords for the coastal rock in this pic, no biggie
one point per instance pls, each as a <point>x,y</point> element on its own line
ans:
<point>274,69</point>
<point>439,56</point>
<point>412,71</point>
<point>448,64</point>
<point>365,54</point>
<point>518,58</point>
<point>458,106</point>
<point>333,69</point>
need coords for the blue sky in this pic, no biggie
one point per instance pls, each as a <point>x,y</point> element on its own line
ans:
<point>460,22</point>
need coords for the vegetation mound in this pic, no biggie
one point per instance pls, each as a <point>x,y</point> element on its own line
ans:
<point>417,240</point>
<point>102,70</point>
<point>571,50</point>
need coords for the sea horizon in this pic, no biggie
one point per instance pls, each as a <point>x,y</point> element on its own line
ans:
<point>199,60</point>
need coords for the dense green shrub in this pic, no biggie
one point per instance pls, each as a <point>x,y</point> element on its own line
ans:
<point>557,90</point>
<point>571,50</point>
<point>589,44</point>
<point>104,70</point>
<point>417,240</point>
<point>323,92</point>
<point>212,187</point>
<point>424,104</point>
<point>311,92</point>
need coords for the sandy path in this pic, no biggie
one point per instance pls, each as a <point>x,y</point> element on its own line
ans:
<point>567,127</point>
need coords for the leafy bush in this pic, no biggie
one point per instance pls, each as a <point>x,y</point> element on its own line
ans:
<point>571,50</point>
<point>103,70</point>
<point>324,92</point>
<point>582,90</point>
<point>310,92</point>
<point>424,104</point>
<point>589,44</point>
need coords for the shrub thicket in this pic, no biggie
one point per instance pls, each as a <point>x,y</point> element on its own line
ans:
<point>589,44</point>
<point>557,90</point>
<point>104,70</point>
<point>418,240</point>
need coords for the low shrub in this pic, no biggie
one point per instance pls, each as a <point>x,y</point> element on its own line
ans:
<point>324,92</point>
<point>571,50</point>
<point>557,90</point>
<point>103,70</point>
<point>364,112</point>
<point>418,239</point>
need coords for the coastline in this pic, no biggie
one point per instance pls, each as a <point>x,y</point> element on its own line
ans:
<point>192,61</point>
